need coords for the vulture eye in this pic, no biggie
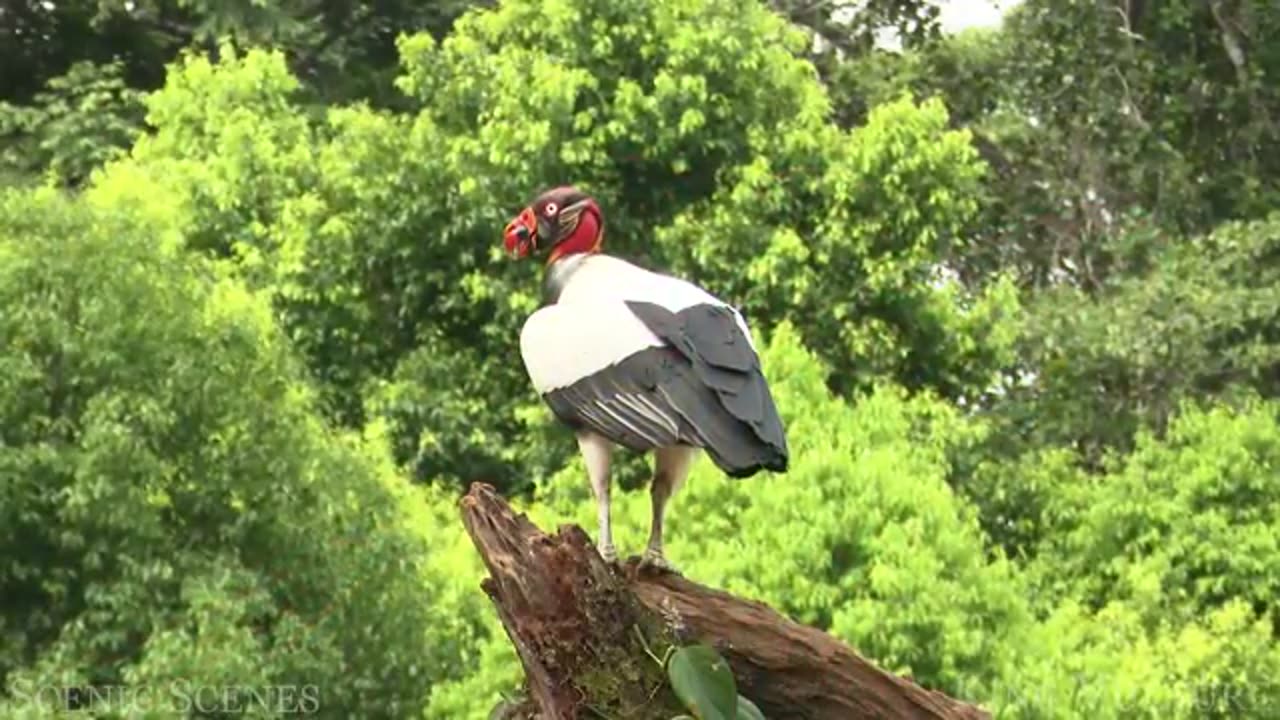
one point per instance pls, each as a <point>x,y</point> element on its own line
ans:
<point>551,208</point>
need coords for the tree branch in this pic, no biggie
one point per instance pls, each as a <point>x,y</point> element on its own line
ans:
<point>584,634</point>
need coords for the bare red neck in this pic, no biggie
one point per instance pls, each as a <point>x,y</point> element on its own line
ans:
<point>585,238</point>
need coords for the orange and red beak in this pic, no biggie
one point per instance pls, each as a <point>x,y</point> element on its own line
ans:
<point>521,234</point>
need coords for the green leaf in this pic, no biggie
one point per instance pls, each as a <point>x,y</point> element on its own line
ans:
<point>747,710</point>
<point>704,682</point>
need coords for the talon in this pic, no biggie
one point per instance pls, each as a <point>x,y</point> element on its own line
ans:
<point>609,554</point>
<point>655,560</point>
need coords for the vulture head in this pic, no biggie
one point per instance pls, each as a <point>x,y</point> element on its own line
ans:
<point>560,221</point>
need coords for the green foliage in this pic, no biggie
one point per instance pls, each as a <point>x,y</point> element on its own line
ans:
<point>1204,535</point>
<point>704,682</point>
<point>172,509</point>
<point>964,68</point>
<point>229,147</point>
<point>345,50</point>
<point>72,72</point>
<point>1096,116</point>
<point>1016,496</point>
<point>374,233</point>
<point>1156,578</point>
<point>81,120</point>
<point>1114,664</point>
<point>1018,288</point>
<point>702,679</point>
<point>852,29</point>
<point>1201,321</point>
<point>856,261</point>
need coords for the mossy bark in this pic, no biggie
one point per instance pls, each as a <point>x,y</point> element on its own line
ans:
<point>590,636</point>
<point>584,639</point>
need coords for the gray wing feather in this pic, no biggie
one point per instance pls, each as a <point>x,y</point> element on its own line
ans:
<point>727,382</point>
<point>704,388</point>
<point>620,403</point>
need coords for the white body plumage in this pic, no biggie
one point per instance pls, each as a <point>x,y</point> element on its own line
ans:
<point>590,327</point>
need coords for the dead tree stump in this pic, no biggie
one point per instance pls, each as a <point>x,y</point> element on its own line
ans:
<point>585,633</point>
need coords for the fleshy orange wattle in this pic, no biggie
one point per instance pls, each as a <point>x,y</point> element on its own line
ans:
<point>519,233</point>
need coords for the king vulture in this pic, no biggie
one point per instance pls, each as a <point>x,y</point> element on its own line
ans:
<point>629,357</point>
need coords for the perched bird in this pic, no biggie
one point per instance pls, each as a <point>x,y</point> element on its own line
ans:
<point>629,357</point>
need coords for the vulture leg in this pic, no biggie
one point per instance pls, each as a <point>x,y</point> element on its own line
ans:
<point>671,466</point>
<point>596,454</point>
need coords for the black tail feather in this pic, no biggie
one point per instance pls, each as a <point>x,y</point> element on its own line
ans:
<point>726,398</point>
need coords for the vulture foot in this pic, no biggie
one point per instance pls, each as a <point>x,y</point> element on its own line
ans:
<point>656,561</point>
<point>609,554</point>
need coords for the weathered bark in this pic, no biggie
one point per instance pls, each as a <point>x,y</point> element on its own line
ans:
<point>577,625</point>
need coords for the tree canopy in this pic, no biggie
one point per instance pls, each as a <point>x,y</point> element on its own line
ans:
<point>1015,289</point>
